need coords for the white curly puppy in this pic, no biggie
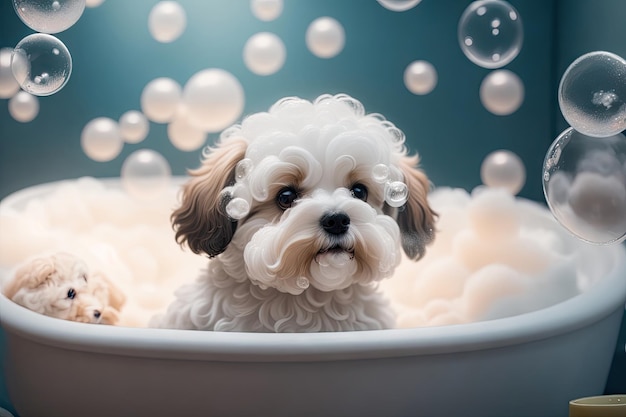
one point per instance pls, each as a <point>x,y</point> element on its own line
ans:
<point>60,285</point>
<point>302,210</point>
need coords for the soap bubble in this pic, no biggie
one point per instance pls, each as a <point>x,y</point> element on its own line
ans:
<point>145,174</point>
<point>93,3</point>
<point>167,21</point>
<point>214,99</point>
<point>266,10</point>
<point>101,139</point>
<point>243,168</point>
<point>592,94</point>
<point>183,135</point>
<point>502,92</point>
<point>380,173</point>
<point>303,282</point>
<point>160,99</point>
<point>420,77</point>
<point>133,126</point>
<point>23,107</point>
<point>396,193</point>
<point>398,5</point>
<point>584,184</point>
<point>41,64</point>
<point>264,53</point>
<point>8,83</point>
<point>490,33</point>
<point>49,16</point>
<point>237,208</point>
<point>325,37</point>
<point>503,169</point>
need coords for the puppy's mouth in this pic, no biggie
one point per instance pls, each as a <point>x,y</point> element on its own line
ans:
<point>334,252</point>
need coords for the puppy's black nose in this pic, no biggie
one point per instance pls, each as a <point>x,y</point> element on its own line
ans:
<point>97,314</point>
<point>335,223</point>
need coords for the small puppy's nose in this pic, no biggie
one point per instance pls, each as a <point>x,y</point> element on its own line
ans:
<point>97,314</point>
<point>335,223</point>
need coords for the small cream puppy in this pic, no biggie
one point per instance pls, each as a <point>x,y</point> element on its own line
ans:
<point>61,286</point>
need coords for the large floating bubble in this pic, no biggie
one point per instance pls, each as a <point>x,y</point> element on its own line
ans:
<point>490,33</point>
<point>167,21</point>
<point>49,16</point>
<point>160,99</point>
<point>101,139</point>
<point>134,126</point>
<point>399,5</point>
<point>41,64</point>
<point>325,37</point>
<point>420,77</point>
<point>23,107</point>
<point>146,174</point>
<point>584,182</point>
<point>502,92</point>
<point>592,94</point>
<point>214,99</point>
<point>266,10</point>
<point>8,83</point>
<point>264,53</point>
<point>503,169</point>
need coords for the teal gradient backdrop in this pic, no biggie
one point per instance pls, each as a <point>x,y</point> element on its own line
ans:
<point>115,57</point>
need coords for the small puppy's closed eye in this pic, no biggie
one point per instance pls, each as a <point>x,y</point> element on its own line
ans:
<point>59,286</point>
<point>302,209</point>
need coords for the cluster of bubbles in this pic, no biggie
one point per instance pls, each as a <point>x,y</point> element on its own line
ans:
<point>584,171</point>
<point>211,100</point>
<point>490,34</point>
<point>396,192</point>
<point>40,64</point>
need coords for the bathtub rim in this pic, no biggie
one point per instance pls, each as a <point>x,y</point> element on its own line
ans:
<point>604,298</point>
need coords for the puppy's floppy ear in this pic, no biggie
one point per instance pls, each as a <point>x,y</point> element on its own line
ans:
<point>416,219</point>
<point>201,220</point>
<point>30,275</point>
<point>103,286</point>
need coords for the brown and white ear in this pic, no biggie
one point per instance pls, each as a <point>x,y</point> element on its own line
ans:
<point>416,218</point>
<point>30,275</point>
<point>201,221</point>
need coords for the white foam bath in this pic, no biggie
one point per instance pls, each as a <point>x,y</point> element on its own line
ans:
<point>529,364</point>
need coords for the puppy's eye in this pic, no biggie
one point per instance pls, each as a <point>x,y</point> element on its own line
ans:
<point>71,293</point>
<point>84,276</point>
<point>359,191</point>
<point>286,197</point>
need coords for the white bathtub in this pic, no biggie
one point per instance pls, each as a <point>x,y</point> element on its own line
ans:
<point>528,365</point>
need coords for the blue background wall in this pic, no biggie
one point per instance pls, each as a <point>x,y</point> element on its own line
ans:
<point>114,57</point>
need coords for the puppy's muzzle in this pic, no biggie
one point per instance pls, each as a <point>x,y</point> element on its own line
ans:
<point>335,223</point>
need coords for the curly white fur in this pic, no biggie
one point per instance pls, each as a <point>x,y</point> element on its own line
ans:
<point>280,267</point>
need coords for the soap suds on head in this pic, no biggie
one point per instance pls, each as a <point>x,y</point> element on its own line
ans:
<point>493,256</point>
